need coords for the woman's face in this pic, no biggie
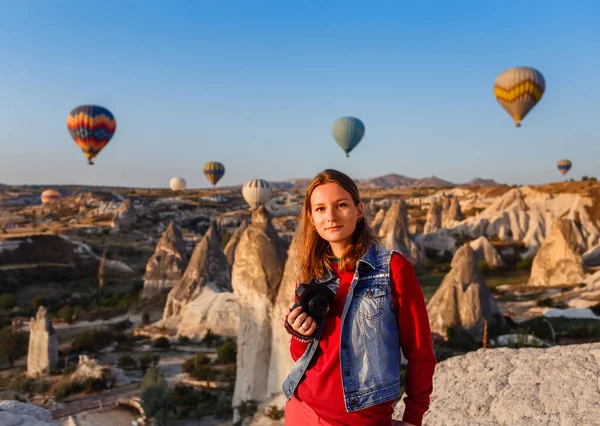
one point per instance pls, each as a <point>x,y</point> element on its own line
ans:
<point>333,213</point>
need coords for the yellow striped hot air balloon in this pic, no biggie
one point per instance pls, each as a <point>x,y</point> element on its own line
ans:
<point>564,166</point>
<point>214,171</point>
<point>518,90</point>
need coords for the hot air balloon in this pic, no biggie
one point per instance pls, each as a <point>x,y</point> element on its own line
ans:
<point>214,171</point>
<point>177,184</point>
<point>50,195</point>
<point>347,132</point>
<point>256,192</point>
<point>91,127</point>
<point>518,89</point>
<point>564,166</point>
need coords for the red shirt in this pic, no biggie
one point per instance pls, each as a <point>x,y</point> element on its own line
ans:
<point>322,388</point>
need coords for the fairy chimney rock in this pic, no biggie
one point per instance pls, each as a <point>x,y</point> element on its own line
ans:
<point>256,275</point>
<point>126,216</point>
<point>207,269</point>
<point>484,250</point>
<point>433,222</point>
<point>463,299</point>
<point>281,362</point>
<point>233,242</point>
<point>167,265</point>
<point>558,260</point>
<point>42,355</point>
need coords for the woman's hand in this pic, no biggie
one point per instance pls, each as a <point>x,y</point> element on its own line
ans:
<point>300,322</point>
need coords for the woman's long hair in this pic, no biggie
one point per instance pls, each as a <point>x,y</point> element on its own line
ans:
<point>314,252</point>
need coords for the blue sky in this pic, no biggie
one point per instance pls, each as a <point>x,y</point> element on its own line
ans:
<point>257,86</point>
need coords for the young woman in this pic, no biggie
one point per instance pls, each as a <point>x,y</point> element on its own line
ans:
<point>347,364</point>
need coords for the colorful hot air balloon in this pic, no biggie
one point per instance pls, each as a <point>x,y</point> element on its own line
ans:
<point>91,127</point>
<point>518,89</point>
<point>177,184</point>
<point>564,166</point>
<point>256,192</point>
<point>50,195</point>
<point>347,132</point>
<point>214,171</point>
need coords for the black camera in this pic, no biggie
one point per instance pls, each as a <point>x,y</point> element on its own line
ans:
<point>314,298</point>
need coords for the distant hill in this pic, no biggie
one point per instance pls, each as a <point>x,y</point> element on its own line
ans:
<point>387,181</point>
<point>432,182</point>
<point>481,182</point>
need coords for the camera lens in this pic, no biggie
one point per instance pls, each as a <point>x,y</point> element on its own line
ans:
<point>319,306</point>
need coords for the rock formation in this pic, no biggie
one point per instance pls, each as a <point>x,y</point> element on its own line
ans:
<point>256,275</point>
<point>463,299</point>
<point>204,299</point>
<point>42,355</point>
<point>433,222</point>
<point>167,265</point>
<point>451,211</point>
<point>16,413</point>
<point>281,361</point>
<point>559,260</point>
<point>517,387</point>
<point>484,250</point>
<point>126,216</point>
<point>233,242</point>
<point>394,231</point>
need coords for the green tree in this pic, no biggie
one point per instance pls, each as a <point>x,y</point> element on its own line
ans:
<point>12,345</point>
<point>227,352</point>
<point>7,301</point>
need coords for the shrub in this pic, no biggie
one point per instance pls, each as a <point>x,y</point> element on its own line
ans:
<point>183,340</point>
<point>145,318</point>
<point>227,352</point>
<point>35,303</point>
<point>127,362</point>
<point>66,314</point>
<point>148,360</point>
<point>274,412</point>
<point>92,340</point>
<point>161,343</point>
<point>8,301</point>
<point>525,263</point>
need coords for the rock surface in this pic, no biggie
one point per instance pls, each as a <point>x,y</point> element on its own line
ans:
<point>256,275</point>
<point>463,299</point>
<point>484,250</point>
<point>233,242</point>
<point>167,265</point>
<point>559,260</point>
<point>42,355</point>
<point>517,387</point>
<point>15,413</point>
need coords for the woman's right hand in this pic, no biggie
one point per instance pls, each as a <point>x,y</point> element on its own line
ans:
<point>300,322</point>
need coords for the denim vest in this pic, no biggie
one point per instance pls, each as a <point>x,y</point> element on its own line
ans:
<point>369,344</point>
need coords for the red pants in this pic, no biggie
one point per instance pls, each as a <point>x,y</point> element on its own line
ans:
<point>297,413</point>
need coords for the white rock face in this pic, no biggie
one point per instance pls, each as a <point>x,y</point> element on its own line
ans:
<point>126,216</point>
<point>484,250</point>
<point>207,267</point>
<point>281,361</point>
<point>42,355</point>
<point>203,300</point>
<point>167,265</point>
<point>256,275</point>
<point>517,387</point>
<point>433,222</point>
<point>451,212</point>
<point>559,260</point>
<point>394,231</point>
<point>15,413</point>
<point>463,299</point>
<point>233,242</point>
<point>89,368</point>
